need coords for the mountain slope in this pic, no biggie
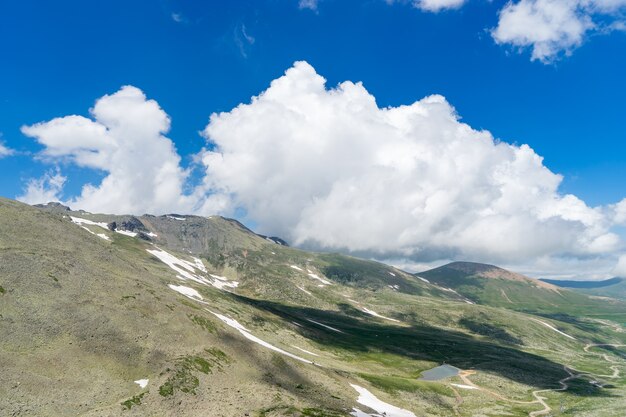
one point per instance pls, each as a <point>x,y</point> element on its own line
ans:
<point>494,286</point>
<point>247,326</point>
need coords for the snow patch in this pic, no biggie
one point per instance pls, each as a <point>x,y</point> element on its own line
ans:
<point>423,279</point>
<point>199,264</point>
<point>303,290</point>
<point>370,400</point>
<point>297,268</point>
<point>246,333</point>
<point>78,220</point>
<point>142,382</point>
<point>186,291</point>
<point>187,270</point>
<point>322,280</point>
<point>126,232</point>
<point>324,325</point>
<point>83,222</point>
<point>176,218</point>
<point>554,328</point>
<point>463,386</point>
<point>304,350</point>
<point>391,273</point>
<point>375,314</point>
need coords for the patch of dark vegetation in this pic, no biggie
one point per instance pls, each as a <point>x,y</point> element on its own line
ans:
<point>258,320</point>
<point>215,253</point>
<point>191,305</point>
<point>182,380</point>
<point>318,412</point>
<point>350,310</point>
<point>203,322</point>
<point>135,400</point>
<point>2,290</point>
<point>489,330</point>
<point>126,297</point>
<point>284,410</point>
<point>582,386</point>
<point>218,356</point>
<point>183,377</point>
<point>365,274</point>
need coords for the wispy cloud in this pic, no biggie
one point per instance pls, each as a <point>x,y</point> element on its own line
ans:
<point>4,151</point>
<point>433,6</point>
<point>178,18</point>
<point>308,4</point>
<point>243,39</point>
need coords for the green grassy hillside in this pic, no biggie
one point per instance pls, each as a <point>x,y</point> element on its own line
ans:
<point>490,285</point>
<point>221,322</point>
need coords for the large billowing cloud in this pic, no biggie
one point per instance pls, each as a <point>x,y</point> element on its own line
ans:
<point>124,139</point>
<point>327,168</point>
<point>554,27</point>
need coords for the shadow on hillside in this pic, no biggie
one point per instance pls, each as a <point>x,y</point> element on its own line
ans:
<point>421,342</point>
<point>574,321</point>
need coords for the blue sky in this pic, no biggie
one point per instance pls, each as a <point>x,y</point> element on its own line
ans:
<point>197,58</point>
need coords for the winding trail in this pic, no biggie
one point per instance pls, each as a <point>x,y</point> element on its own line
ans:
<point>541,400</point>
<point>572,374</point>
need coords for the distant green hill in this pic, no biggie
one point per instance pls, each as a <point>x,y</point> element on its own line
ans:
<point>178,315</point>
<point>494,286</point>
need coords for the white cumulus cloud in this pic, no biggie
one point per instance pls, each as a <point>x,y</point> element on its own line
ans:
<point>4,151</point>
<point>554,27</point>
<point>125,139</point>
<point>329,168</point>
<point>45,189</point>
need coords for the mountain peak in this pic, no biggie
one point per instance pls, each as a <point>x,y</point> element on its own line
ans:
<point>480,270</point>
<point>53,206</point>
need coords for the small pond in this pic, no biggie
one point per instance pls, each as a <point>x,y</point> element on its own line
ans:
<point>440,372</point>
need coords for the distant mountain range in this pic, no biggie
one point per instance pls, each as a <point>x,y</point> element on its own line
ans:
<point>584,284</point>
<point>180,315</point>
<point>612,288</point>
